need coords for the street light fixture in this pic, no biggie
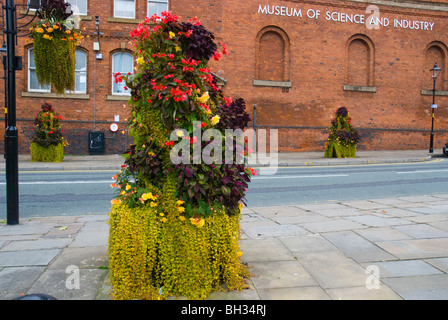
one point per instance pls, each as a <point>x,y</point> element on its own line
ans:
<point>435,72</point>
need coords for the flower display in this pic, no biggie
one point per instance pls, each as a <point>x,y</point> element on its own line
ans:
<point>48,135</point>
<point>55,40</point>
<point>343,136</point>
<point>184,216</point>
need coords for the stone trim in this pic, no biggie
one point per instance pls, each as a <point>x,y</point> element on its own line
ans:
<point>79,96</point>
<point>270,83</point>
<point>406,5</point>
<point>438,92</point>
<point>346,87</point>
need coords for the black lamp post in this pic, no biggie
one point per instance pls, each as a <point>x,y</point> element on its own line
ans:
<point>435,71</point>
<point>11,132</point>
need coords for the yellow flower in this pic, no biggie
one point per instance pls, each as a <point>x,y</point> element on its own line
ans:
<point>153,204</point>
<point>150,153</point>
<point>204,98</point>
<point>128,187</point>
<point>49,29</point>
<point>239,253</point>
<point>179,202</point>
<point>215,120</point>
<point>178,49</point>
<point>46,36</point>
<point>147,196</point>
<point>181,209</point>
<point>179,133</point>
<point>115,201</point>
<point>197,222</point>
<point>163,220</point>
<point>162,214</point>
<point>55,26</point>
<point>172,34</point>
<point>181,218</point>
<point>140,60</point>
<point>39,30</point>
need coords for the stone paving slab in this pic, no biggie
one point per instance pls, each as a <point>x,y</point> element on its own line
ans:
<point>356,247</point>
<point>311,251</point>
<point>432,287</point>
<point>416,248</point>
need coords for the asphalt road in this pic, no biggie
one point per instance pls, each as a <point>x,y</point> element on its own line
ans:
<point>89,192</point>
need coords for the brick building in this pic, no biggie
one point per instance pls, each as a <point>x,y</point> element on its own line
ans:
<point>297,61</point>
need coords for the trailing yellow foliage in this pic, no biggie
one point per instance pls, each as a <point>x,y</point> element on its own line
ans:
<point>151,259</point>
<point>51,153</point>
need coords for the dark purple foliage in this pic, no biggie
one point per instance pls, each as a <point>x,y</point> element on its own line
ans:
<point>57,9</point>
<point>200,44</point>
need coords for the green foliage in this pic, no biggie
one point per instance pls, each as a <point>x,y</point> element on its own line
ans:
<point>174,229</point>
<point>52,153</point>
<point>149,259</point>
<point>48,130</point>
<point>55,42</point>
<point>343,137</point>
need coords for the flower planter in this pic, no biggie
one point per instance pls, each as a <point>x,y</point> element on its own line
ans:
<point>150,259</point>
<point>335,150</point>
<point>343,136</point>
<point>55,39</point>
<point>52,153</point>
<point>174,226</point>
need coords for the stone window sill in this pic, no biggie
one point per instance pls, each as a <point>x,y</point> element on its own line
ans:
<point>270,83</point>
<point>113,97</point>
<point>438,93</point>
<point>124,20</point>
<point>358,88</point>
<point>79,96</point>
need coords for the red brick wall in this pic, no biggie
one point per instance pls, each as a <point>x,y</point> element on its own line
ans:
<point>318,60</point>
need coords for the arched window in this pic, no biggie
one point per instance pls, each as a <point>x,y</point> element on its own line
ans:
<point>435,52</point>
<point>360,61</point>
<point>123,63</point>
<point>272,55</point>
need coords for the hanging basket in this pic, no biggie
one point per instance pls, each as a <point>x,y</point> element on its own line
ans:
<point>55,54</point>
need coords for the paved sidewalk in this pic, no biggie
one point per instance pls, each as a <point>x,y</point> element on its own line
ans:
<point>114,162</point>
<point>332,250</point>
<point>314,251</point>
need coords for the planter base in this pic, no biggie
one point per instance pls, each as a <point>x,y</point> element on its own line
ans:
<point>51,153</point>
<point>151,259</point>
<point>338,151</point>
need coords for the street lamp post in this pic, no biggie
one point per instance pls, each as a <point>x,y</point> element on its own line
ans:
<point>435,71</point>
<point>11,132</point>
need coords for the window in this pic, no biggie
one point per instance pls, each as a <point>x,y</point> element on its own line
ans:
<point>272,56</point>
<point>435,52</point>
<point>33,83</point>
<point>360,62</point>
<point>123,63</point>
<point>124,9</point>
<point>79,7</point>
<point>34,4</point>
<point>157,6</point>
<point>81,72</point>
